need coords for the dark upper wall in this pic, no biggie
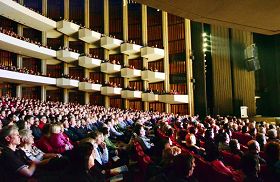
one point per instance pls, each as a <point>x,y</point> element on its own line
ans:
<point>268,77</point>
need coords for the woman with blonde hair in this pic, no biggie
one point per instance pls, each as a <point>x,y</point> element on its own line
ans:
<point>58,141</point>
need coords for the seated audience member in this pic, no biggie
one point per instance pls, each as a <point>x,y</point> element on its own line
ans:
<point>36,131</point>
<point>72,135</point>
<point>82,160</point>
<point>272,135</point>
<point>272,151</point>
<point>261,138</point>
<point>101,151</point>
<point>142,139</point>
<point>31,151</point>
<point>235,148</point>
<point>254,149</point>
<point>224,142</point>
<point>210,146</point>
<point>191,144</point>
<point>43,143</point>
<point>182,170</point>
<point>58,141</point>
<point>250,167</point>
<point>14,168</point>
<point>168,155</point>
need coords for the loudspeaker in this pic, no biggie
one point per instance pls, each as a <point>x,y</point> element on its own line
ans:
<point>253,64</point>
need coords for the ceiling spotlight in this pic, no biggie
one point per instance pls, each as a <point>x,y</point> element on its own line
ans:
<point>204,34</point>
<point>205,45</point>
<point>204,49</point>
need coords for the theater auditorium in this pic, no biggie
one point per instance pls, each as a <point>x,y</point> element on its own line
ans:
<point>139,91</point>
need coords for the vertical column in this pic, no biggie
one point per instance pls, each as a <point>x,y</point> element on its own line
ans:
<point>125,57</point>
<point>145,43</point>
<point>87,99</point>
<point>66,44</point>
<point>166,56</point>
<point>189,66</point>
<point>19,58</point>
<point>106,52</point>
<point>44,43</point>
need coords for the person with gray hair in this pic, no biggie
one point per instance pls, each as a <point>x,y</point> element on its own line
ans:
<point>14,168</point>
<point>31,151</point>
<point>254,149</point>
<point>272,136</point>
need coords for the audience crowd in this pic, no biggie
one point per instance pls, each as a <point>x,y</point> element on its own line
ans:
<point>54,141</point>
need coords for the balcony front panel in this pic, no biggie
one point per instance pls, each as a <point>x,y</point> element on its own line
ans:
<point>129,94</point>
<point>67,56</point>
<point>149,97</point>
<point>67,83</point>
<point>110,91</point>
<point>89,36</point>
<point>110,68</point>
<point>130,73</point>
<point>66,27</point>
<point>110,43</point>
<point>16,77</point>
<point>18,46</point>
<point>152,53</point>
<point>132,50</point>
<point>14,11</point>
<point>88,62</point>
<point>174,99</point>
<point>89,87</point>
<point>152,76</point>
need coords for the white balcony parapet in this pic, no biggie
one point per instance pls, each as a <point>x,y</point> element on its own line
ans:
<point>16,77</point>
<point>110,91</point>
<point>67,83</point>
<point>89,87</point>
<point>18,46</point>
<point>89,36</point>
<point>16,12</point>
<point>130,73</point>
<point>174,99</point>
<point>130,94</point>
<point>88,62</point>
<point>110,68</point>
<point>110,43</point>
<point>149,97</point>
<point>152,76</point>
<point>152,53</point>
<point>132,50</point>
<point>67,56</point>
<point>66,27</point>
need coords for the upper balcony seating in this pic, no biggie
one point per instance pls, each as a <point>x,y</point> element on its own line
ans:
<point>131,94</point>
<point>149,97</point>
<point>130,72</point>
<point>67,83</point>
<point>130,49</point>
<point>173,99</point>
<point>152,53</point>
<point>152,76</point>
<point>110,43</point>
<point>89,87</point>
<point>89,62</point>
<point>23,15</point>
<point>67,56</point>
<point>110,90</point>
<point>66,27</point>
<point>89,36</point>
<point>110,68</point>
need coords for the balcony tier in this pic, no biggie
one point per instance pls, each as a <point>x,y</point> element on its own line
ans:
<point>67,83</point>
<point>152,76</point>
<point>88,62</point>
<point>67,56</point>
<point>132,50</point>
<point>110,68</point>
<point>66,27</point>
<point>129,94</point>
<point>110,43</point>
<point>110,91</point>
<point>174,99</point>
<point>149,97</point>
<point>89,36</point>
<point>89,87</point>
<point>130,73</point>
<point>152,53</point>
<point>18,46</point>
<point>16,12</point>
<point>16,77</point>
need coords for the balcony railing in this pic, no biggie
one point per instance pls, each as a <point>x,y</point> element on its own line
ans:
<point>130,94</point>
<point>89,36</point>
<point>89,87</point>
<point>152,53</point>
<point>110,68</point>
<point>111,91</point>
<point>130,73</point>
<point>67,83</point>
<point>88,62</point>
<point>67,56</point>
<point>174,99</point>
<point>152,76</point>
